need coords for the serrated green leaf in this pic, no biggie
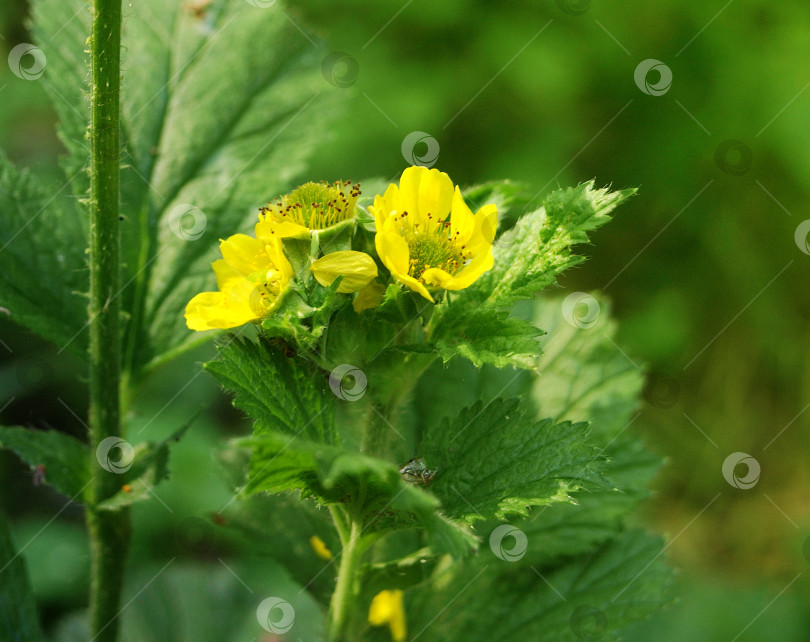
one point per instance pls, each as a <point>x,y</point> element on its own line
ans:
<point>150,466</point>
<point>43,273</point>
<point>368,486</point>
<point>66,460</point>
<point>495,460</point>
<point>528,257</point>
<point>19,621</point>
<point>624,581</point>
<point>280,393</point>
<point>587,377</point>
<point>491,336</point>
<point>538,248</point>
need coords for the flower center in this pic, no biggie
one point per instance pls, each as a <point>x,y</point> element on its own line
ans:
<point>433,251</point>
<point>316,206</point>
<point>268,287</point>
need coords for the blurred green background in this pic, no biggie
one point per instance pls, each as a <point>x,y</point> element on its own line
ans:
<point>706,278</point>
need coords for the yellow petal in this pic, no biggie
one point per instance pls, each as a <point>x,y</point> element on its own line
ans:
<point>245,254</point>
<point>224,273</point>
<point>486,224</point>
<point>462,223</point>
<point>320,548</point>
<point>220,310</point>
<point>435,194</point>
<point>267,229</point>
<point>437,277</point>
<point>470,273</point>
<point>357,269</point>
<point>409,190</point>
<point>275,252</point>
<point>369,297</point>
<point>414,285</point>
<point>387,608</point>
<point>392,250</point>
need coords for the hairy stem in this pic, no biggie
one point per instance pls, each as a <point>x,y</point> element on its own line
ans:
<point>343,599</point>
<point>109,531</point>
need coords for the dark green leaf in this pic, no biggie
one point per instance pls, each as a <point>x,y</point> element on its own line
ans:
<point>590,595</point>
<point>43,275</point>
<point>366,485</point>
<point>18,612</point>
<point>495,460</point>
<point>150,466</point>
<point>65,459</point>
<point>280,393</point>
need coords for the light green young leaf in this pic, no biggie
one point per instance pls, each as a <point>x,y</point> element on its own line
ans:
<point>592,595</point>
<point>282,394</point>
<point>528,258</point>
<point>495,460</point>
<point>43,273</point>
<point>367,486</point>
<point>19,621</point>
<point>66,460</point>
<point>538,248</point>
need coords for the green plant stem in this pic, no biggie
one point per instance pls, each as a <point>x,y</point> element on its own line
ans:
<point>343,599</point>
<point>109,531</point>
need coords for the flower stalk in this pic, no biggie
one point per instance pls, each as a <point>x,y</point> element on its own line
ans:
<point>109,530</point>
<point>343,599</point>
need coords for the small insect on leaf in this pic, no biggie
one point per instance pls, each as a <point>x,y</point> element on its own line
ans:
<point>417,472</point>
<point>39,474</point>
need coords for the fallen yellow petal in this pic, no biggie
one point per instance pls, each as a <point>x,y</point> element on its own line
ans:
<point>387,607</point>
<point>320,548</point>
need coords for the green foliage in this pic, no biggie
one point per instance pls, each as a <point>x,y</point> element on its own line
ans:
<point>583,596</point>
<point>65,459</point>
<point>496,461</point>
<point>475,324</point>
<point>18,611</point>
<point>282,394</point>
<point>43,273</point>
<point>150,466</point>
<point>190,175</point>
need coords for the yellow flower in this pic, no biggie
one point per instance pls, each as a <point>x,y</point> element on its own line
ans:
<point>357,269</point>
<point>419,245</point>
<point>313,206</point>
<point>320,548</point>
<point>387,608</point>
<point>251,277</point>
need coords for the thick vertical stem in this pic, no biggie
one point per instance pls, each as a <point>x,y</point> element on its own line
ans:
<point>109,531</point>
<point>343,599</point>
